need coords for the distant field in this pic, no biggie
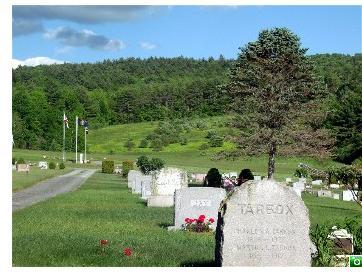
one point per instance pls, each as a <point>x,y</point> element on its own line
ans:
<point>23,180</point>
<point>113,138</point>
<point>65,230</point>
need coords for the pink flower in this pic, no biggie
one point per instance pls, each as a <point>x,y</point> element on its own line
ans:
<point>211,220</point>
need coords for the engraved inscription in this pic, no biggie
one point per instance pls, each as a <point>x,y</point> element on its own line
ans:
<point>200,203</point>
<point>265,209</point>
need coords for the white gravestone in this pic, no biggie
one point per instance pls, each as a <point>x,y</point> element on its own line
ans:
<point>336,196</point>
<point>257,178</point>
<point>146,186</point>
<point>195,201</point>
<point>347,195</point>
<point>43,165</point>
<point>137,184</point>
<point>258,229</point>
<point>199,177</point>
<point>317,182</point>
<point>163,186</point>
<point>132,176</point>
<point>334,186</point>
<point>233,174</point>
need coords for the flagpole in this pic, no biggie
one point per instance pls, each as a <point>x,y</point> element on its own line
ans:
<point>76,139</point>
<point>85,145</point>
<point>63,136</point>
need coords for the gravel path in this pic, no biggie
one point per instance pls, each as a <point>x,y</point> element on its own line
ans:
<point>50,188</point>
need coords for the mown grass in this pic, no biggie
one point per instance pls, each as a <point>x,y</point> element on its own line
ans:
<point>23,180</point>
<point>113,138</point>
<point>65,230</point>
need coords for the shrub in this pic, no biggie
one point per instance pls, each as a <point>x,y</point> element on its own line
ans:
<point>61,166</point>
<point>213,178</point>
<point>21,161</point>
<point>13,160</point>
<point>143,143</point>
<point>210,134</point>
<point>129,144</point>
<point>300,172</point>
<point>357,163</point>
<point>319,236</point>
<point>146,165</point>
<point>127,165</point>
<point>156,144</point>
<point>245,175</point>
<point>52,165</point>
<point>216,141</point>
<point>184,141</point>
<point>204,146</point>
<point>107,166</point>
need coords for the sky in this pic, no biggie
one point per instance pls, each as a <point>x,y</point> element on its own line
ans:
<point>51,34</point>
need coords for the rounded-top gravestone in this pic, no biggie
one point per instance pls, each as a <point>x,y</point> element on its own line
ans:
<point>263,223</point>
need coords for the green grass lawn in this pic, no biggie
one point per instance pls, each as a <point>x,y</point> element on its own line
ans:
<point>23,180</point>
<point>65,230</point>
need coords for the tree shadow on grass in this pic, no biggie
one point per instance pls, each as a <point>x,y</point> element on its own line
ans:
<point>209,263</point>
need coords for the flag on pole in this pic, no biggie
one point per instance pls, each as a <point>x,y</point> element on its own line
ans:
<point>83,123</point>
<point>66,121</point>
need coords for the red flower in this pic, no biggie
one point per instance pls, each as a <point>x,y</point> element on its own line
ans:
<point>127,251</point>
<point>201,218</point>
<point>103,242</point>
<point>211,220</point>
<point>188,220</point>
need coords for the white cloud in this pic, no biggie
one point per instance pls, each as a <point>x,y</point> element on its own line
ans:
<point>35,61</point>
<point>147,45</point>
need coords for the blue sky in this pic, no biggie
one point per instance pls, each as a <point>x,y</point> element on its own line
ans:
<point>80,34</point>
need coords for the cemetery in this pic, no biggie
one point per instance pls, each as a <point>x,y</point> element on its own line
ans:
<point>253,161</point>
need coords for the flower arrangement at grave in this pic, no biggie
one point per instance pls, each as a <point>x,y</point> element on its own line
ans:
<point>200,224</point>
<point>228,184</point>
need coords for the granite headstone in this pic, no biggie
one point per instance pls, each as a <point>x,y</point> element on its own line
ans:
<point>195,201</point>
<point>259,229</point>
<point>163,186</point>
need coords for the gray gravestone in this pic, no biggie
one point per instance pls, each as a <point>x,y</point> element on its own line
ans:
<point>196,201</point>
<point>137,183</point>
<point>324,193</point>
<point>132,176</point>
<point>163,186</point>
<point>23,167</point>
<point>146,186</point>
<point>263,223</point>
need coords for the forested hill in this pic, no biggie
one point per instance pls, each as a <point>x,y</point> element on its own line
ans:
<point>134,90</point>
